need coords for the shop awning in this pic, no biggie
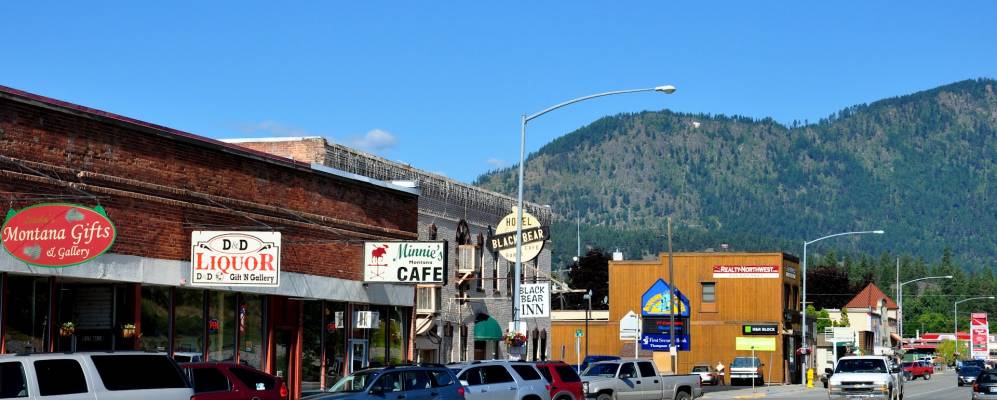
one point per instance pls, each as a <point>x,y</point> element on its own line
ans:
<point>487,329</point>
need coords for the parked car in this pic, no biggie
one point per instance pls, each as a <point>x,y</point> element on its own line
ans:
<point>985,386</point>
<point>494,380</point>
<point>874,377</point>
<point>919,369</point>
<point>91,376</point>
<point>411,382</point>
<point>746,369</point>
<point>230,381</point>
<point>637,379</point>
<point>967,374</point>
<point>706,374</point>
<point>565,384</point>
<point>588,360</point>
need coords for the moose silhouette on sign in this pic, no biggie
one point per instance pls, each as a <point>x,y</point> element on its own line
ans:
<point>377,255</point>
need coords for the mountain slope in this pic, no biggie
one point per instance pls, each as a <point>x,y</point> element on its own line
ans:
<point>921,166</point>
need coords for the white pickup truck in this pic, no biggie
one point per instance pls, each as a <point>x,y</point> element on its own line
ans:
<point>867,377</point>
<point>637,379</point>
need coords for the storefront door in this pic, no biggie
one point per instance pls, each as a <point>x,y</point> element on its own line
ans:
<point>283,351</point>
<point>358,354</point>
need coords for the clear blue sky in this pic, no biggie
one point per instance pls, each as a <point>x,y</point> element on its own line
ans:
<point>441,85</point>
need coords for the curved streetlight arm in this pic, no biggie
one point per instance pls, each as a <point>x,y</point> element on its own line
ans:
<point>879,232</point>
<point>666,89</point>
<point>929,277</point>
<point>975,298</point>
<point>900,301</point>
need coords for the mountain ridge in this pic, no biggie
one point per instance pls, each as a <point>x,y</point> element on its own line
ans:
<point>917,165</point>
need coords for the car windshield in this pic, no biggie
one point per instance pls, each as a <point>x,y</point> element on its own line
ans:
<point>607,370</point>
<point>874,366</point>
<point>354,383</point>
<point>700,368</point>
<point>969,370</point>
<point>744,362</point>
<point>988,377</point>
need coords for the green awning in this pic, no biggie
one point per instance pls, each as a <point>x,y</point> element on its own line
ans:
<point>487,329</point>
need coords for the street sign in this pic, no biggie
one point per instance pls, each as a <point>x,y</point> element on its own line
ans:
<point>579,333</point>
<point>656,342</point>
<point>630,326</point>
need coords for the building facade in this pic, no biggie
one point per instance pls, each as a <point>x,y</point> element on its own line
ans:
<point>726,304</point>
<point>157,186</point>
<point>465,318</point>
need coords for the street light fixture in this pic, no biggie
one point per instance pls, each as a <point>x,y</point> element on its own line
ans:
<point>955,317</point>
<point>667,89</point>
<point>803,371</point>
<point>900,298</point>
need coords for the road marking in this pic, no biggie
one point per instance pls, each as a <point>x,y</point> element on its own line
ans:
<point>926,393</point>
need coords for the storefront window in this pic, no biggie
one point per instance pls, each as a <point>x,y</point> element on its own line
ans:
<point>155,318</point>
<point>335,337</point>
<point>221,326</point>
<point>27,314</point>
<point>311,346</point>
<point>251,330</point>
<point>378,339</point>
<point>396,324</point>
<point>360,350</point>
<point>189,321</point>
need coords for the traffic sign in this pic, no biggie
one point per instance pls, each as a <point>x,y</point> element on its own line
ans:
<point>630,326</point>
<point>579,333</point>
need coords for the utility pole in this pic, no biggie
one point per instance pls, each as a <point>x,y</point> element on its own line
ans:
<point>673,348</point>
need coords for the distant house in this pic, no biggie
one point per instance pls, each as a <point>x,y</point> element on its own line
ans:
<point>872,319</point>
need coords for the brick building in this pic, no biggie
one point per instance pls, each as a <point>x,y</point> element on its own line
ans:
<point>456,321</point>
<point>158,185</point>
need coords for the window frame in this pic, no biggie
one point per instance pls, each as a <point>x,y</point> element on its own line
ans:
<point>24,379</point>
<point>61,377</point>
<point>193,380</point>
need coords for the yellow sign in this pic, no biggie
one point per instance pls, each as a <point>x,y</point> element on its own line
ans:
<point>755,343</point>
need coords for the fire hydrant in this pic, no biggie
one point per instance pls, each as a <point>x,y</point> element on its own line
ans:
<point>810,377</point>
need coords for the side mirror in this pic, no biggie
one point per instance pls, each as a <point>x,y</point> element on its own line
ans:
<point>626,375</point>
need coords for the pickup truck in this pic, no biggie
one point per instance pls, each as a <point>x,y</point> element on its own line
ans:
<point>746,369</point>
<point>636,379</point>
<point>868,377</point>
<point>919,369</point>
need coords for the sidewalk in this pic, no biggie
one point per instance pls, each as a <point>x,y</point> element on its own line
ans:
<point>761,392</point>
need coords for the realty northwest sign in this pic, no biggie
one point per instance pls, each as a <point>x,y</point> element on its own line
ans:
<point>405,262</point>
<point>57,234</point>
<point>250,259</point>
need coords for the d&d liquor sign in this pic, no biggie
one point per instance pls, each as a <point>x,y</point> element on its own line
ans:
<point>57,234</point>
<point>235,259</point>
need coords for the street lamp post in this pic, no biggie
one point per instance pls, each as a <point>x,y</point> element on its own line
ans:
<point>900,298</point>
<point>803,371</point>
<point>667,89</point>
<point>955,317</point>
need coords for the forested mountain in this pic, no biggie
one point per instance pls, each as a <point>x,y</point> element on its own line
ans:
<point>920,166</point>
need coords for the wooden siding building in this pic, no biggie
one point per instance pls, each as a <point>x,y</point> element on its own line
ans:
<point>725,293</point>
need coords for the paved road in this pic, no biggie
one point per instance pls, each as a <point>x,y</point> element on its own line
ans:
<point>941,387</point>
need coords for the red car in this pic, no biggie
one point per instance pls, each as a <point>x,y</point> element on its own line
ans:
<point>919,369</point>
<point>231,381</point>
<point>565,384</point>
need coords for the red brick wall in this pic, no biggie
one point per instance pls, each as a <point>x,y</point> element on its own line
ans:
<point>144,176</point>
<point>311,150</point>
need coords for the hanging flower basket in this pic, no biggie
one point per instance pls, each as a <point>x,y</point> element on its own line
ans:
<point>67,329</point>
<point>127,331</point>
<point>514,339</point>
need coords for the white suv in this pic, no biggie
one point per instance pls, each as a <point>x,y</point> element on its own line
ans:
<point>501,380</point>
<point>92,376</point>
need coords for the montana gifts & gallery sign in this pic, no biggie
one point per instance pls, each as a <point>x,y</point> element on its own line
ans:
<point>405,262</point>
<point>57,234</point>
<point>235,259</point>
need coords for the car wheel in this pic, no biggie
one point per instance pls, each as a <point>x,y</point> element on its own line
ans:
<point>683,396</point>
<point>605,396</point>
<point>927,377</point>
<point>959,383</point>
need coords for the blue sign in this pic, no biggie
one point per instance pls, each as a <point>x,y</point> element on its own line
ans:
<point>660,342</point>
<point>656,301</point>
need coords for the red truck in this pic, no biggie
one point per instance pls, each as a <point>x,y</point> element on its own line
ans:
<point>918,369</point>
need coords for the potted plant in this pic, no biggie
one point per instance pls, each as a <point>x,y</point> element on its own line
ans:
<point>128,330</point>
<point>67,329</point>
<point>514,339</point>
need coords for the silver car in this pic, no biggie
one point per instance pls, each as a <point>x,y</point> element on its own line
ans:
<point>502,380</point>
